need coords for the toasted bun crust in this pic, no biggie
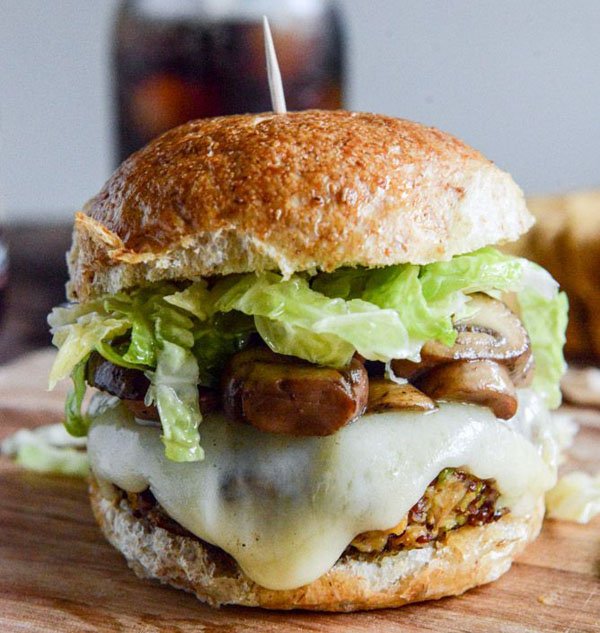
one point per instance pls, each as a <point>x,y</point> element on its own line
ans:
<point>301,191</point>
<point>470,556</point>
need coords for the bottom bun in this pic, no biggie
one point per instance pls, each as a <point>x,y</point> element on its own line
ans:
<point>469,556</point>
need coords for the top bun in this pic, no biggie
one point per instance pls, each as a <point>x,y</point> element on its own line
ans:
<point>312,190</point>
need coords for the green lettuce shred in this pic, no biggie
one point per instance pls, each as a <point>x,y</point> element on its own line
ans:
<point>48,449</point>
<point>76,341</point>
<point>315,326</point>
<point>546,322</point>
<point>76,422</point>
<point>481,271</point>
<point>427,298</point>
<point>160,341</point>
<point>174,386</point>
<point>216,340</point>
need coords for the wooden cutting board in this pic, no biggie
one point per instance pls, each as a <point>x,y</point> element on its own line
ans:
<point>58,574</point>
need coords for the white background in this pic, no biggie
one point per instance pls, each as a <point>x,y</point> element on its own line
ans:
<point>518,79</point>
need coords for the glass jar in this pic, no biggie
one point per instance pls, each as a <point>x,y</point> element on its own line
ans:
<point>176,60</point>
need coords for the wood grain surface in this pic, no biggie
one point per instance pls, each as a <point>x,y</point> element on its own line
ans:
<point>59,575</point>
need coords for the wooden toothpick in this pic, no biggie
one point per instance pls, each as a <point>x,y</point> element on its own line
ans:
<point>273,72</point>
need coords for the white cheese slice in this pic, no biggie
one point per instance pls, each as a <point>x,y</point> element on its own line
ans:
<point>285,508</point>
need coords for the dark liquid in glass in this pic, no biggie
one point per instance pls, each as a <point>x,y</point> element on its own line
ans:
<point>173,68</point>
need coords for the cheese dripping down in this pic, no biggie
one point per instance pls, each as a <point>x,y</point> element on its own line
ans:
<point>285,508</point>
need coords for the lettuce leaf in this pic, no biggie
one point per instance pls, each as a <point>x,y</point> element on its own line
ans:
<point>76,422</point>
<point>428,298</point>
<point>195,299</point>
<point>138,308</point>
<point>483,270</point>
<point>116,354</point>
<point>344,283</point>
<point>75,341</point>
<point>160,339</point>
<point>313,322</point>
<point>546,321</point>
<point>48,449</point>
<point>174,386</point>
<point>216,340</point>
<point>293,340</point>
<point>399,288</point>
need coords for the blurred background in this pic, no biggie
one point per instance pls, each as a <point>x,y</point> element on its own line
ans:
<point>84,83</point>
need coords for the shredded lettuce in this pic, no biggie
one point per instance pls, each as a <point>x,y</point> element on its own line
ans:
<point>216,340</point>
<point>138,309</point>
<point>77,423</point>
<point>322,349</point>
<point>314,323</point>
<point>115,354</point>
<point>428,299</point>
<point>75,341</point>
<point>400,288</point>
<point>181,337</point>
<point>484,270</point>
<point>546,321</point>
<point>48,449</point>
<point>174,386</point>
<point>159,341</point>
<point>195,299</point>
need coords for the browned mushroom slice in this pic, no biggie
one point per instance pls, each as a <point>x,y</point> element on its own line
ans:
<point>208,400</point>
<point>125,383</point>
<point>385,395</point>
<point>492,333</point>
<point>482,382</point>
<point>143,411</point>
<point>131,385</point>
<point>282,394</point>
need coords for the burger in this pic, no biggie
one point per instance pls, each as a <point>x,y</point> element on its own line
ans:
<point>317,382</point>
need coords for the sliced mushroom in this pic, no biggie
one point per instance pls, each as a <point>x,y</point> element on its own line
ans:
<point>208,400</point>
<point>386,395</point>
<point>131,385</point>
<point>143,411</point>
<point>125,383</point>
<point>492,333</point>
<point>482,382</point>
<point>281,394</point>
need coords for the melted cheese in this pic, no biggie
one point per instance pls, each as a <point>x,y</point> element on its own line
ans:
<point>286,508</point>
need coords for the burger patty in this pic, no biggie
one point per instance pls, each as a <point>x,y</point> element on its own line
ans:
<point>453,499</point>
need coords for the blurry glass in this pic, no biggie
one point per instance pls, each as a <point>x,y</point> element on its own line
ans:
<point>3,274</point>
<point>3,265</point>
<point>176,60</point>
